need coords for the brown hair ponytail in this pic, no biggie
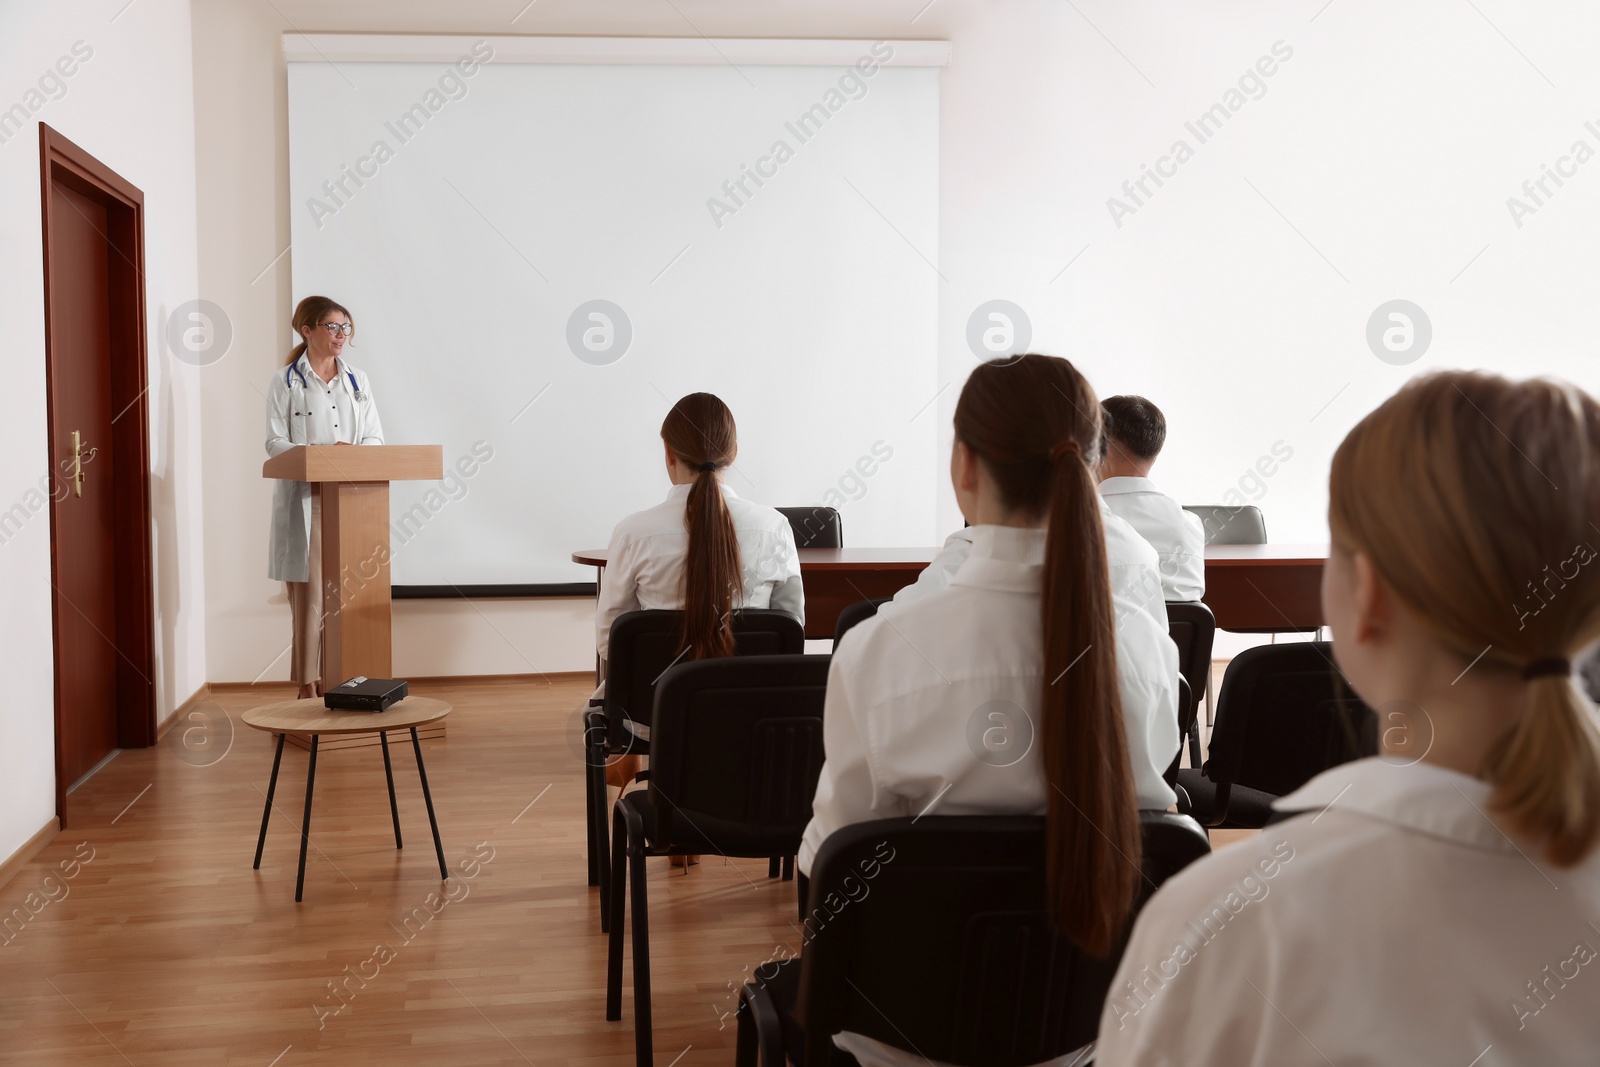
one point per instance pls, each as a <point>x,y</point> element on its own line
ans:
<point>1477,500</point>
<point>700,432</point>
<point>309,312</point>
<point>1034,424</point>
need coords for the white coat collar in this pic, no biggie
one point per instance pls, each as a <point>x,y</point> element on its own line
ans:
<point>681,492</point>
<point>340,368</point>
<point>1419,797</point>
<point>1117,486</point>
<point>1007,558</point>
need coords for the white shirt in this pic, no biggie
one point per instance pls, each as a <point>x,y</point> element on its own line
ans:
<point>908,722</point>
<point>644,564</point>
<point>302,409</point>
<point>1178,536</point>
<point>1398,926</point>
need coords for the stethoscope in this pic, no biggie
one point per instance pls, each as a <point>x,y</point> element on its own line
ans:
<point>293,372</point>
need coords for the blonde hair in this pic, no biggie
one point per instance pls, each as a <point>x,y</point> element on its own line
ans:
<point>1477,500</point>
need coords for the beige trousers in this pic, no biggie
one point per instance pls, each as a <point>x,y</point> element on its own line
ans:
<point>305,606</point>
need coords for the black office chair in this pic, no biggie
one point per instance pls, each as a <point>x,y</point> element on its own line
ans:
<point>642,645</point>
<point>930,934</point>
<point>815,527</point>
<point>1284,715</point>
<point>1193,629</point>
<point>860,611</point>
<point>737,749</point>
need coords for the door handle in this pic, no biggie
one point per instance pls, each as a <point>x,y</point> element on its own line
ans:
<point>78,458</point>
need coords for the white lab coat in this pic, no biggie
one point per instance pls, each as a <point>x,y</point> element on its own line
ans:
<point>1399,925</point>
<point>905,686</point>
<point>313,413</point>
<point>1178,536</point>
<point>908,724</point>
<point>644,564</point>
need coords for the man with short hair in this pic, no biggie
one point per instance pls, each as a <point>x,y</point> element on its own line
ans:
<point>1135,431</point>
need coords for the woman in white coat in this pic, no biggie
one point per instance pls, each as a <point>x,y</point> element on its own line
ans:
<point>317,399</point>
<point>1438,904</point>
<point>703,550</point>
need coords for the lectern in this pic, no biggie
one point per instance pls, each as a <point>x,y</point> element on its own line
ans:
<point>354,483</point>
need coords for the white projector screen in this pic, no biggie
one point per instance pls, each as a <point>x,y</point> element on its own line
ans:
<point>764,232</point>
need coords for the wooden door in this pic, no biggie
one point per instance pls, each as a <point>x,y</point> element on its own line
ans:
<point>103,589</point>
<point>84,509</point>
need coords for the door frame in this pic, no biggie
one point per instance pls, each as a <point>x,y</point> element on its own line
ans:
<point>62,161</point>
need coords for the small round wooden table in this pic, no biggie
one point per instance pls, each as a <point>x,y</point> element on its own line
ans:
<point>310,717</point>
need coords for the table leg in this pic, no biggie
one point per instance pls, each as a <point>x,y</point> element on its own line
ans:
<point>305,825</point>
<point>266,811</point>
<point>422,772</point>
<point>388,773</point>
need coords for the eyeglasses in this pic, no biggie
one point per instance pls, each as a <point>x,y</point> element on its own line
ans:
<point>336,328</point>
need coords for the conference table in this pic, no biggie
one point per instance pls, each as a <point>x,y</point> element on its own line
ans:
<point>1248,587</point>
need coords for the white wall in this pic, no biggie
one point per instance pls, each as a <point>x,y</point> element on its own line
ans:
<point>131,105</point>
<point>1375,165</point>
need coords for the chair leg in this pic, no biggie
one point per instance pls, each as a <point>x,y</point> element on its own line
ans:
<point>640,917</point>
<point>613,918</point>
<point>595,781</point>
<point>788,868</point>
<point>1209,703</point>
<point>595,858</point>
<point>772,866</point>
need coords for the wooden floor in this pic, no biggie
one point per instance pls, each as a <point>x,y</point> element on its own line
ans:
<point>148,939</point>
<point>165,948</point>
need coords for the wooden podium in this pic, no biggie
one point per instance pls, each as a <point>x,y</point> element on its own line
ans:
<point>354,483</point>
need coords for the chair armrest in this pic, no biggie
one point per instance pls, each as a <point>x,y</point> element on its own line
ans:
<point>760,1029</point>
<point>1219,810</point>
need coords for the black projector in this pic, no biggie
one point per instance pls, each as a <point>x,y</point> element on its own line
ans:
<point>365,694</point>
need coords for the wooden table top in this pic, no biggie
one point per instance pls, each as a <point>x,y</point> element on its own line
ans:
<point>310,717</point>
<point>894,559</point>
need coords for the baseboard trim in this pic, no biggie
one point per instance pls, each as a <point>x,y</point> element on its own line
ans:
<point>29,850</point>
<point>199,695</point>
<point>432,679</point>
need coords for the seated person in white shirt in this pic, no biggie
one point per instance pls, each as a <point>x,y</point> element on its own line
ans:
<point>703,550</point>
<point>1135,433</point>
<point>1443,898</point>
<point>1026,641</point>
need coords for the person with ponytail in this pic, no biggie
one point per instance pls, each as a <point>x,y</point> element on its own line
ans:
<point>703,550</point>
<point>1026,685</point>
<point>1438,903</point>
<point>316,399</point>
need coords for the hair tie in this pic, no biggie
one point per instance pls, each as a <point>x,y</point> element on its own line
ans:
<point>1547,665</point>
<point>1063,448</point>
<point>708,465</point>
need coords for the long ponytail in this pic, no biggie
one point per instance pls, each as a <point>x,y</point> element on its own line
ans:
<point>700,432</point>
<point>1477,499</point>
<point>1034,423</point>
<point>310,312</point>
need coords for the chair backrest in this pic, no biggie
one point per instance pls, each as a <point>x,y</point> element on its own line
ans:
<point>736,750</point>
<point>643,644</point>
<point>1229,525</point>
<point>815,527</point>
<point>860,611</point>
<point>1193,629</point>
<point>931,934</point>
<point>1284,715</point>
